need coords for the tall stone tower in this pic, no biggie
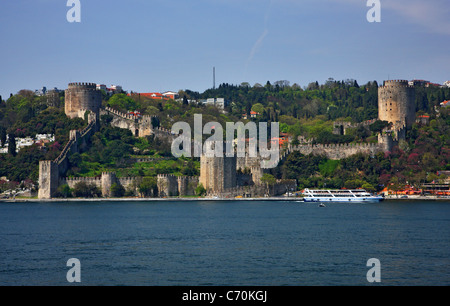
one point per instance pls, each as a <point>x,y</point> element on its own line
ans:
<point>396,103</point>
<point>217,173</point>
<point>81,97</point>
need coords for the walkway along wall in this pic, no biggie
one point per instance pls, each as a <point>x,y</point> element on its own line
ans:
<point>140,126</point>
<point>50,172</point>
<point>341,151</point>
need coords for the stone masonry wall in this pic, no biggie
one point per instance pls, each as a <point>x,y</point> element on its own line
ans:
<point>82,96</point>
<point>396,102</point>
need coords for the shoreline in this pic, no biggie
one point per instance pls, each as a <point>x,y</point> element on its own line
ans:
<point>292,199</point>
<point>273,199</point>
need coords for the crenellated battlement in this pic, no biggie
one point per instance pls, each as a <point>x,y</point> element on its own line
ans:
<point>336,151</point>
<point>82,85</point>
<point>166,176</point>
<point>82,179</point>
<point>396,83</point>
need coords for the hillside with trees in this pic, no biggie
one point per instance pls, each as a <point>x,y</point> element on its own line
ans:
<point>307,111</point>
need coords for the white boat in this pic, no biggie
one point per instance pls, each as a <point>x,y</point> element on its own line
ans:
<point>344,195</point>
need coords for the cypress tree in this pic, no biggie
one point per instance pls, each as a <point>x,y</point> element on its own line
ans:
<point>12,144</point>
<point>2,137</point>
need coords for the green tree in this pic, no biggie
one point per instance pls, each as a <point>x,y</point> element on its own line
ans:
<point>378,126</point>
<point>368,187</point>
<point>200,190</point>
<point>269,180</point>
<point>123,103</point>
<point>117,190</point>
<point>148,186</point>
<point>64,191</point>
<point>85,190</point>
<point>2,136</point>
<point>12,145</point>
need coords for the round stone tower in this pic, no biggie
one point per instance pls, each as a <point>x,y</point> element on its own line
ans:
<point>396,103</point>
<point>82,97</point>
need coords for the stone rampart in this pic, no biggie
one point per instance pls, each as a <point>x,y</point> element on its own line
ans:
<point>50,172</point>
<point>140,126</point>
<point>338,151</point>
<point>279,188</point>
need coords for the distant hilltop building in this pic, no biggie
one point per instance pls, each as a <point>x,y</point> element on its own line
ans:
<point>114,89</point>
<point>447,83</point>
<point>82,97</point>
<point>418,82</point>
<point>217,102</point>
<point>157,96</point>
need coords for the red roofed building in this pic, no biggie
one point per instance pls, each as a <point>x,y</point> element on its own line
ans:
<point>153,95</point>
<point>445,103</point>
<point>284,138</point>
<point>253,114</point>
<point>423,119</point>
<point>157,96</point>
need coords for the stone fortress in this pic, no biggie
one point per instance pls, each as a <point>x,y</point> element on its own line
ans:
<point>220,176</point>
<point>396,105</point>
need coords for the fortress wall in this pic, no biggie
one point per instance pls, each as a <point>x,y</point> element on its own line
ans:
<point>167,185</point>
<point>339,151</point>
<point>187,185</point>
<point>139,126</point>
<point>340,127</point>
<point>104,183</point>
<point>280,188</point>
<point>127,182</point>
<point>71,182</point>
<point>50,172</point>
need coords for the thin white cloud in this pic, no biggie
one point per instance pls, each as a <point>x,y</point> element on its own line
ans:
<point>257,45</point>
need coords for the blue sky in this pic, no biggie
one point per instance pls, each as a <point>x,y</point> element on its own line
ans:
<point>160,45</point>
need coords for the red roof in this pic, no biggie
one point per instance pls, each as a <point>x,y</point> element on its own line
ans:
<point>152,95</point>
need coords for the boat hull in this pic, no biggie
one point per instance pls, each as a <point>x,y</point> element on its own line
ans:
<point>343,199</point>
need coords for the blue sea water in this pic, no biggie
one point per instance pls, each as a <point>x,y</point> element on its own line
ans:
<point>239,243</point>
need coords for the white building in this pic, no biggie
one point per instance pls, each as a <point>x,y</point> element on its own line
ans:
<point>447,83</point>
<point>217,102</point>
<point>28,141</point>
<point>110,90</point>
